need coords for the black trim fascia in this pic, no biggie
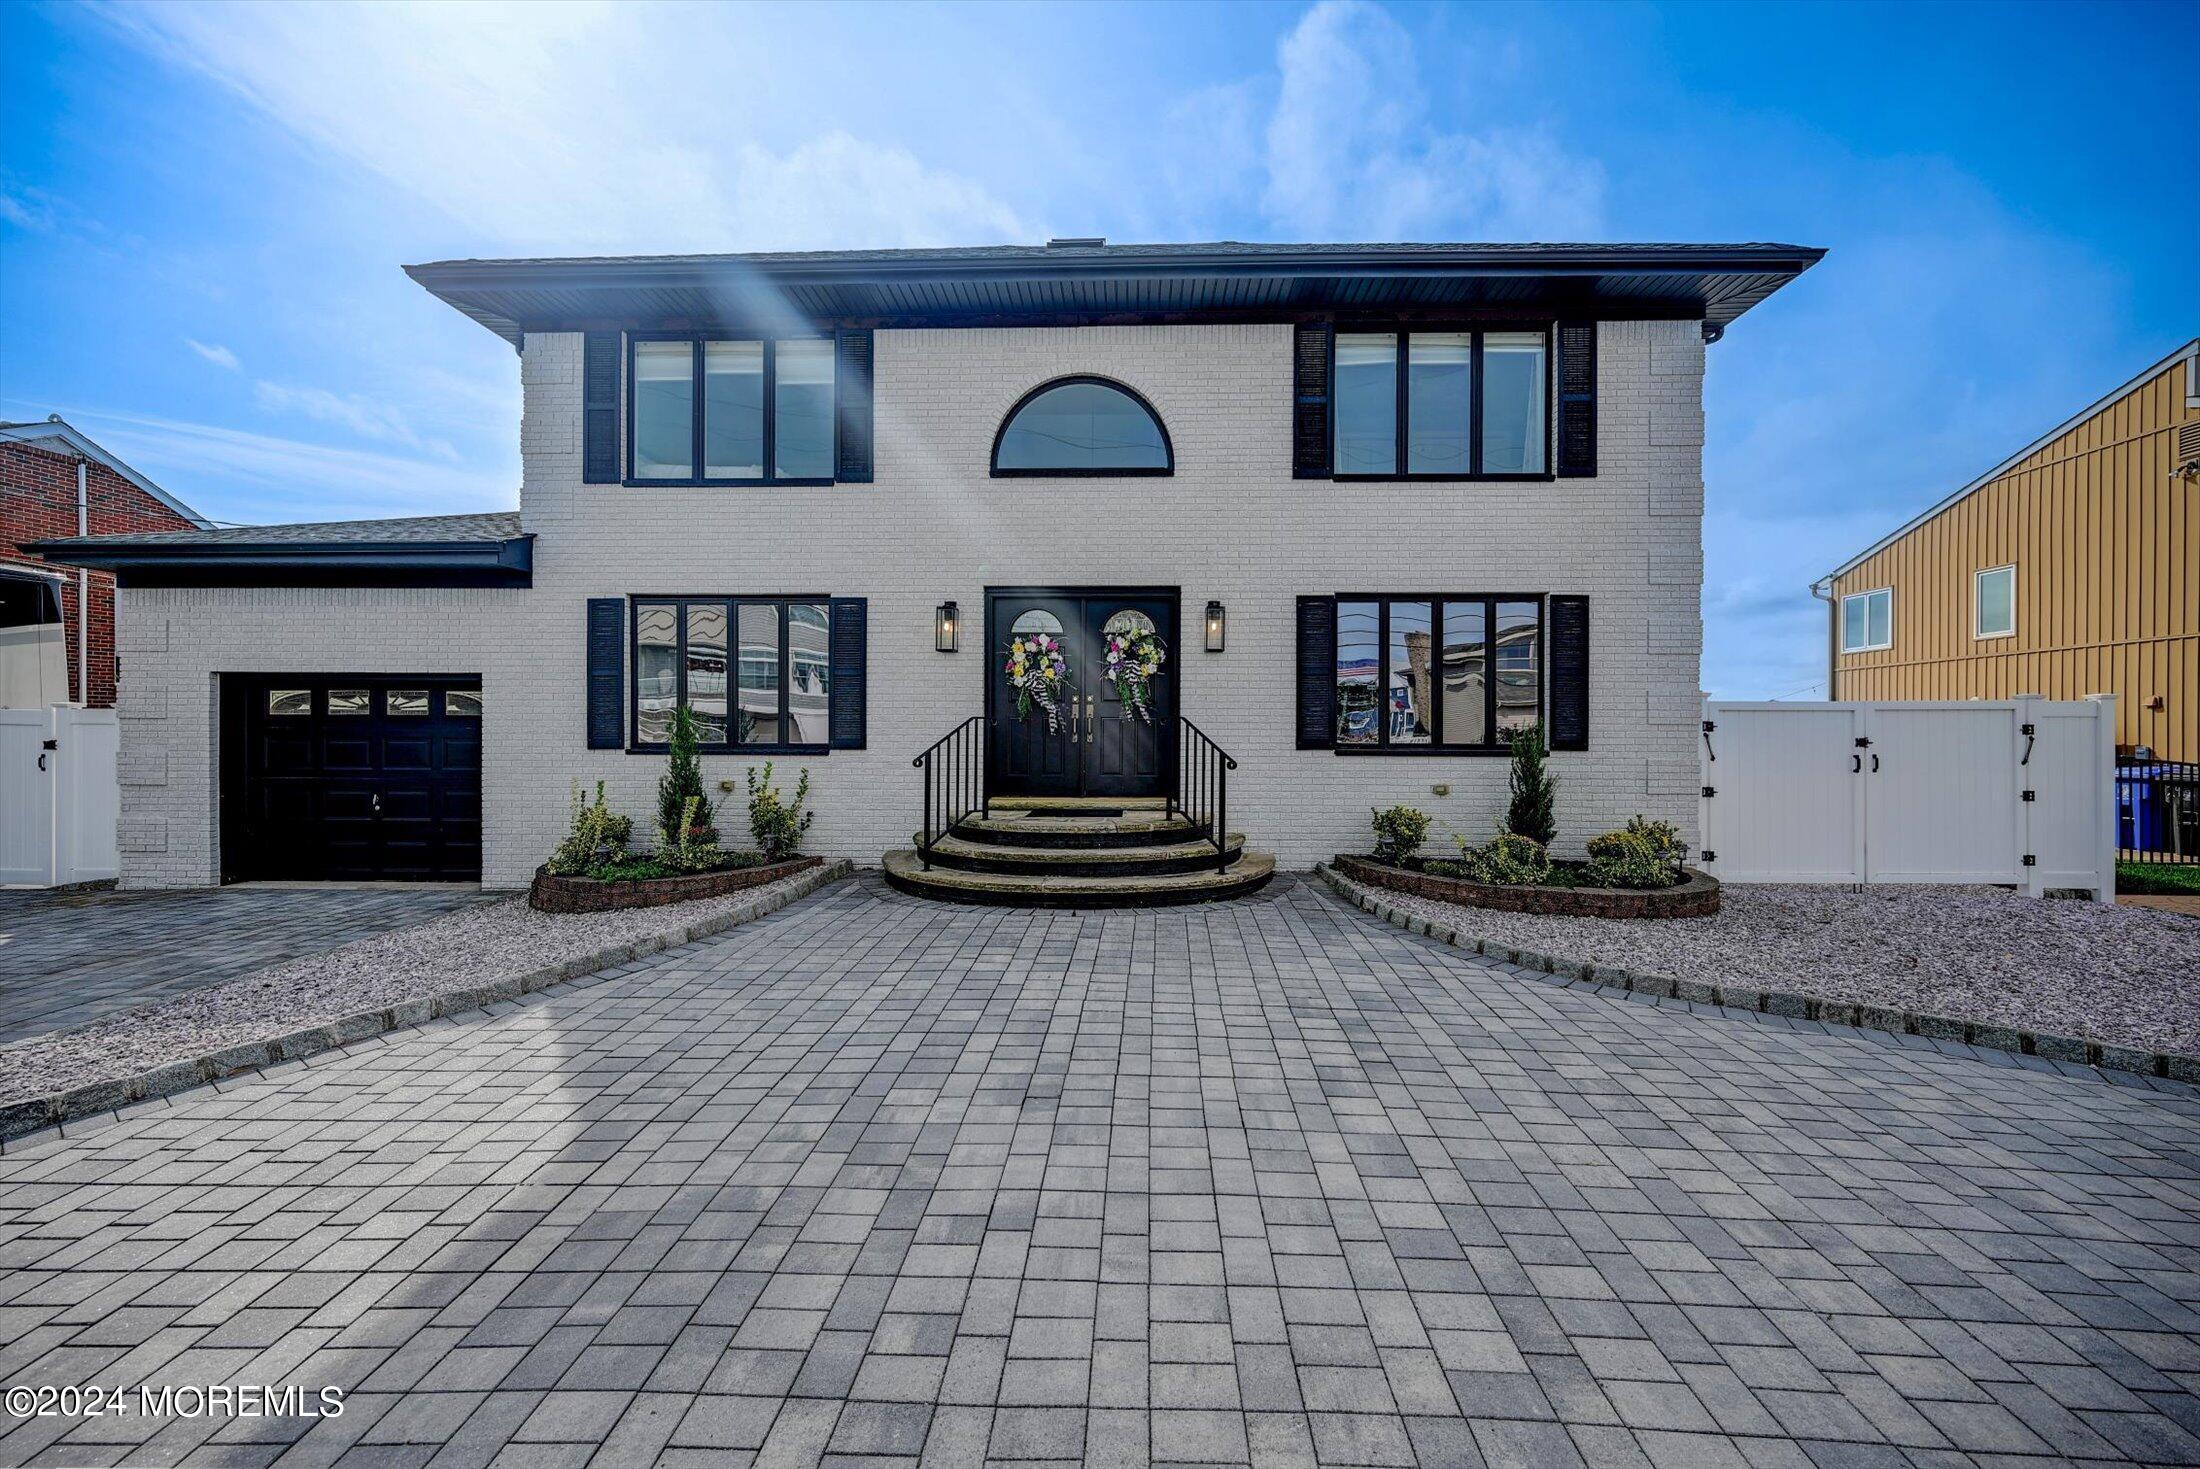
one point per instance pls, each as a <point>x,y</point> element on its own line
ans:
<point>498,563</point>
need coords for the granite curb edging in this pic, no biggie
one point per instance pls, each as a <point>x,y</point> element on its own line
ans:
<point>2171,1065</point>
<point>1695,897</point>
<point>551,893</point>
<point>34,1115</point>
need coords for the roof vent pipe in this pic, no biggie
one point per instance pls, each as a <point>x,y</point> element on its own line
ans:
<point>1078,242</point>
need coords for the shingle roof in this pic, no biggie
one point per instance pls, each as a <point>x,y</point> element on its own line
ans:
<point>494,525</point>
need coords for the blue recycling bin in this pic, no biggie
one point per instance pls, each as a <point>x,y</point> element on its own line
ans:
<point>2139,813</point>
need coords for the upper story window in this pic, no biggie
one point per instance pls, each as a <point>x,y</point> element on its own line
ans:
<point>1442,405</point>
<point>1867,621</point>
<point>1994,602</point>
<point>1082,426</point>
<point>715,409</point>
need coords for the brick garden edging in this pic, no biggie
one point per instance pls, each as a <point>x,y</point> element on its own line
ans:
<point>1698,897</point>
<point>2169,1064</point>
<point>29,1115</point>
<point>553,894</point>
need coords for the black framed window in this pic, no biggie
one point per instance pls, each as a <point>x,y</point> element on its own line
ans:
<point>723,409</point>
<point>755,672</point>
<point>1437,673</point>
<point>1468,403</point>
<point>1081,426</point>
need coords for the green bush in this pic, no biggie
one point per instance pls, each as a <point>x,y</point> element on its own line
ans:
<point>1399,833</point>
<point>596,835</point>
<point>1533,811</point>
<point>680,797</point>
<point>653,864</point>
<point>2163,879</point>
<point>1513,858</point>
<point>1642,854</point>
<point>778,826</point>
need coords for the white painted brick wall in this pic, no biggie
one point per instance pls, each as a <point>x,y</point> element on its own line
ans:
<point>1230,524</point>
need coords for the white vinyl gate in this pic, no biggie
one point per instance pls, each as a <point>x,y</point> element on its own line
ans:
<point>58,796</point>
<point>2018,791</point>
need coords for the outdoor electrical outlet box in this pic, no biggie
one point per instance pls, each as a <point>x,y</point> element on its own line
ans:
<point>726,786</point>
<point>1441,788</point>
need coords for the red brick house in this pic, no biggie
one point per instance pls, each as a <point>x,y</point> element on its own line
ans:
<point>56,483</point>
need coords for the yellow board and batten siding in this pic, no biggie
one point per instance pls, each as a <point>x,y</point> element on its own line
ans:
<point>2107,549</point>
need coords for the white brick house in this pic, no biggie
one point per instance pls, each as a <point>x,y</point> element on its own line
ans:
<point>271,722</point>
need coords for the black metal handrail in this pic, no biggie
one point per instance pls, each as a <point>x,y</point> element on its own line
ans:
<point>954,782</point>
<point>1200,790</point>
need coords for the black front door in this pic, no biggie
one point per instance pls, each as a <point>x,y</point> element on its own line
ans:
<point>1089,748</point>
<point>356,778</point>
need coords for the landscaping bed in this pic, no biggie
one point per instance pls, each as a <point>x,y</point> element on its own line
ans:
<point>553,893</point>
<point>1569,895</point>
<point>454,962</point>
<point>2122,976</point>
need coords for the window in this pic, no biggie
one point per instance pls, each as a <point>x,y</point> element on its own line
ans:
<point>288,703</point>
<point>1867,621</point>
<point>1082,425</point>
<point>351,701</point>
<point>1442,404</point>
<point>462,704</point>
<point>1994,603</point>
<point>748,410</point>
<point>406,703</point>
<point>1438,673</point>
<point>756,673</point>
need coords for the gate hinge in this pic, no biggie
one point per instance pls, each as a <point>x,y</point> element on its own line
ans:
<point>1709,855</point>
<point>1709,725</point>
<point>49,744</point>
<point>1711,790</point>
<point>2027,729</point>
<point>2030,860</point>
<point>1863,742</point>
<point>2028,795</point>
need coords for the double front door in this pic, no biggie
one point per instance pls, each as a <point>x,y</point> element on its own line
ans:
<point>1089,748</point>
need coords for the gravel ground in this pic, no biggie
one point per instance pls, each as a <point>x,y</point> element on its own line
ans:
<point>474,946</point>
<point>2120,975</point>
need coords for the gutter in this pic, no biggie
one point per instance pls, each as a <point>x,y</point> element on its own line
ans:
<point>479,563</point>
<point>83,589</point>
<point>1822,589</point>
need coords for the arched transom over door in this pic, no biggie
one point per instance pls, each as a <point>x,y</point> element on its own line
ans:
<point>1094,747</point>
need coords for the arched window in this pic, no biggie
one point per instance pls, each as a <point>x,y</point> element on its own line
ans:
<point>1082,425</point>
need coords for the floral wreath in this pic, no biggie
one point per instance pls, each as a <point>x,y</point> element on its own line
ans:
<point>1037,670</point>
<point>1135,655</point>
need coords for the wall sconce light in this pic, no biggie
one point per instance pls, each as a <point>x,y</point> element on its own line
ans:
<point>943,627</point>
<point>1214,627</point>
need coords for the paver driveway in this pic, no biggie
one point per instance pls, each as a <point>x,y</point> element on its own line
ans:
<point>68,958</point>
<point>873,1179</point>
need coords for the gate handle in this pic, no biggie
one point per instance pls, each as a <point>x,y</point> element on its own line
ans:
<point>1875,762</point>
<point>1858,767</point>
<point>41,759</point>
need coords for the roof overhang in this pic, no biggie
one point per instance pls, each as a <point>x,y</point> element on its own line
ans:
<point>1033,286</point>
<point>56,435</point>
<point>475,563</point>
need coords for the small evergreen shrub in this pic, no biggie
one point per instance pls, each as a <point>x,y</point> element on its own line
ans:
<point>596,835</point>
<point>1533,813</point>
<point>1399,833</point>
<point>683,812</point>
<point>1642,854</point>
<point>778,826</point>
<point>1513,858</point>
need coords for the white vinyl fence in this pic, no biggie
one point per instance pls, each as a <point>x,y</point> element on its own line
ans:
<point>58,796</point>
<point>2021,792</point>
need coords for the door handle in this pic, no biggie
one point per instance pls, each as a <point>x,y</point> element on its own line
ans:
<point>377,799</point>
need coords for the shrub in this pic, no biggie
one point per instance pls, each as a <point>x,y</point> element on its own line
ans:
<point>1513,858</point>
<point>1399,833</point>
<point>1532,813</point>
<point>596,835</point>
<point>777,826</point>
<point>690,845</point>
<point>680,797</point>
<point>1643,854</point>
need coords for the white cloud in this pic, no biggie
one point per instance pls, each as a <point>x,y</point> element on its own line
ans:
<point>364,417</point>
<point>1339,145</point>
<point>568,128</point>
<point>215,353</point>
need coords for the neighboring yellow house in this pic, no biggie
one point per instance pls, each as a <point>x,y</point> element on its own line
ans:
<point>2071,568</point>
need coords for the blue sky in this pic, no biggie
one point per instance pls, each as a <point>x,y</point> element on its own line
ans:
<point>203,209</point>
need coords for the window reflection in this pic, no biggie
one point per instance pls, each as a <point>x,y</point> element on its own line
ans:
<point>802,409</point>
<point>1407,689</point>
<point>810,669</point>
<point>406,703</point>
<point>664,398</point>
<point>1037,620</point>
<point>1519,666</point>
<point>733,410</point>
<point>1367,403</point>
<point>656,670</point>
<point>289,702</point>
<point>351,701</point>
<point>758,631</point>
<point>462,704</point>
<point>1465,673</point>
<point>1082,426</point>
<point>706,670</point>
<point>1359,673</point>
<point>1439,402</point>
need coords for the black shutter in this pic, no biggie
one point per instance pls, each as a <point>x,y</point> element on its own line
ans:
<point>852,384</point>
<point>600,409</point>
<point>1310,402</point>
<point>606,673</point>
<point>1317,673</point>
<point>850,637</point>
<point>1577,399</point>
<point>1569,634</point>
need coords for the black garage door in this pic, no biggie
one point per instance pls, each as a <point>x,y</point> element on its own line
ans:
<point>354,777</point>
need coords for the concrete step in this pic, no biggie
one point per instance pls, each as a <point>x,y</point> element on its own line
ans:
<point>1250,873</point>
<point>1156,860</point>
<point>1080,805</point>
<point>1035,829</point>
